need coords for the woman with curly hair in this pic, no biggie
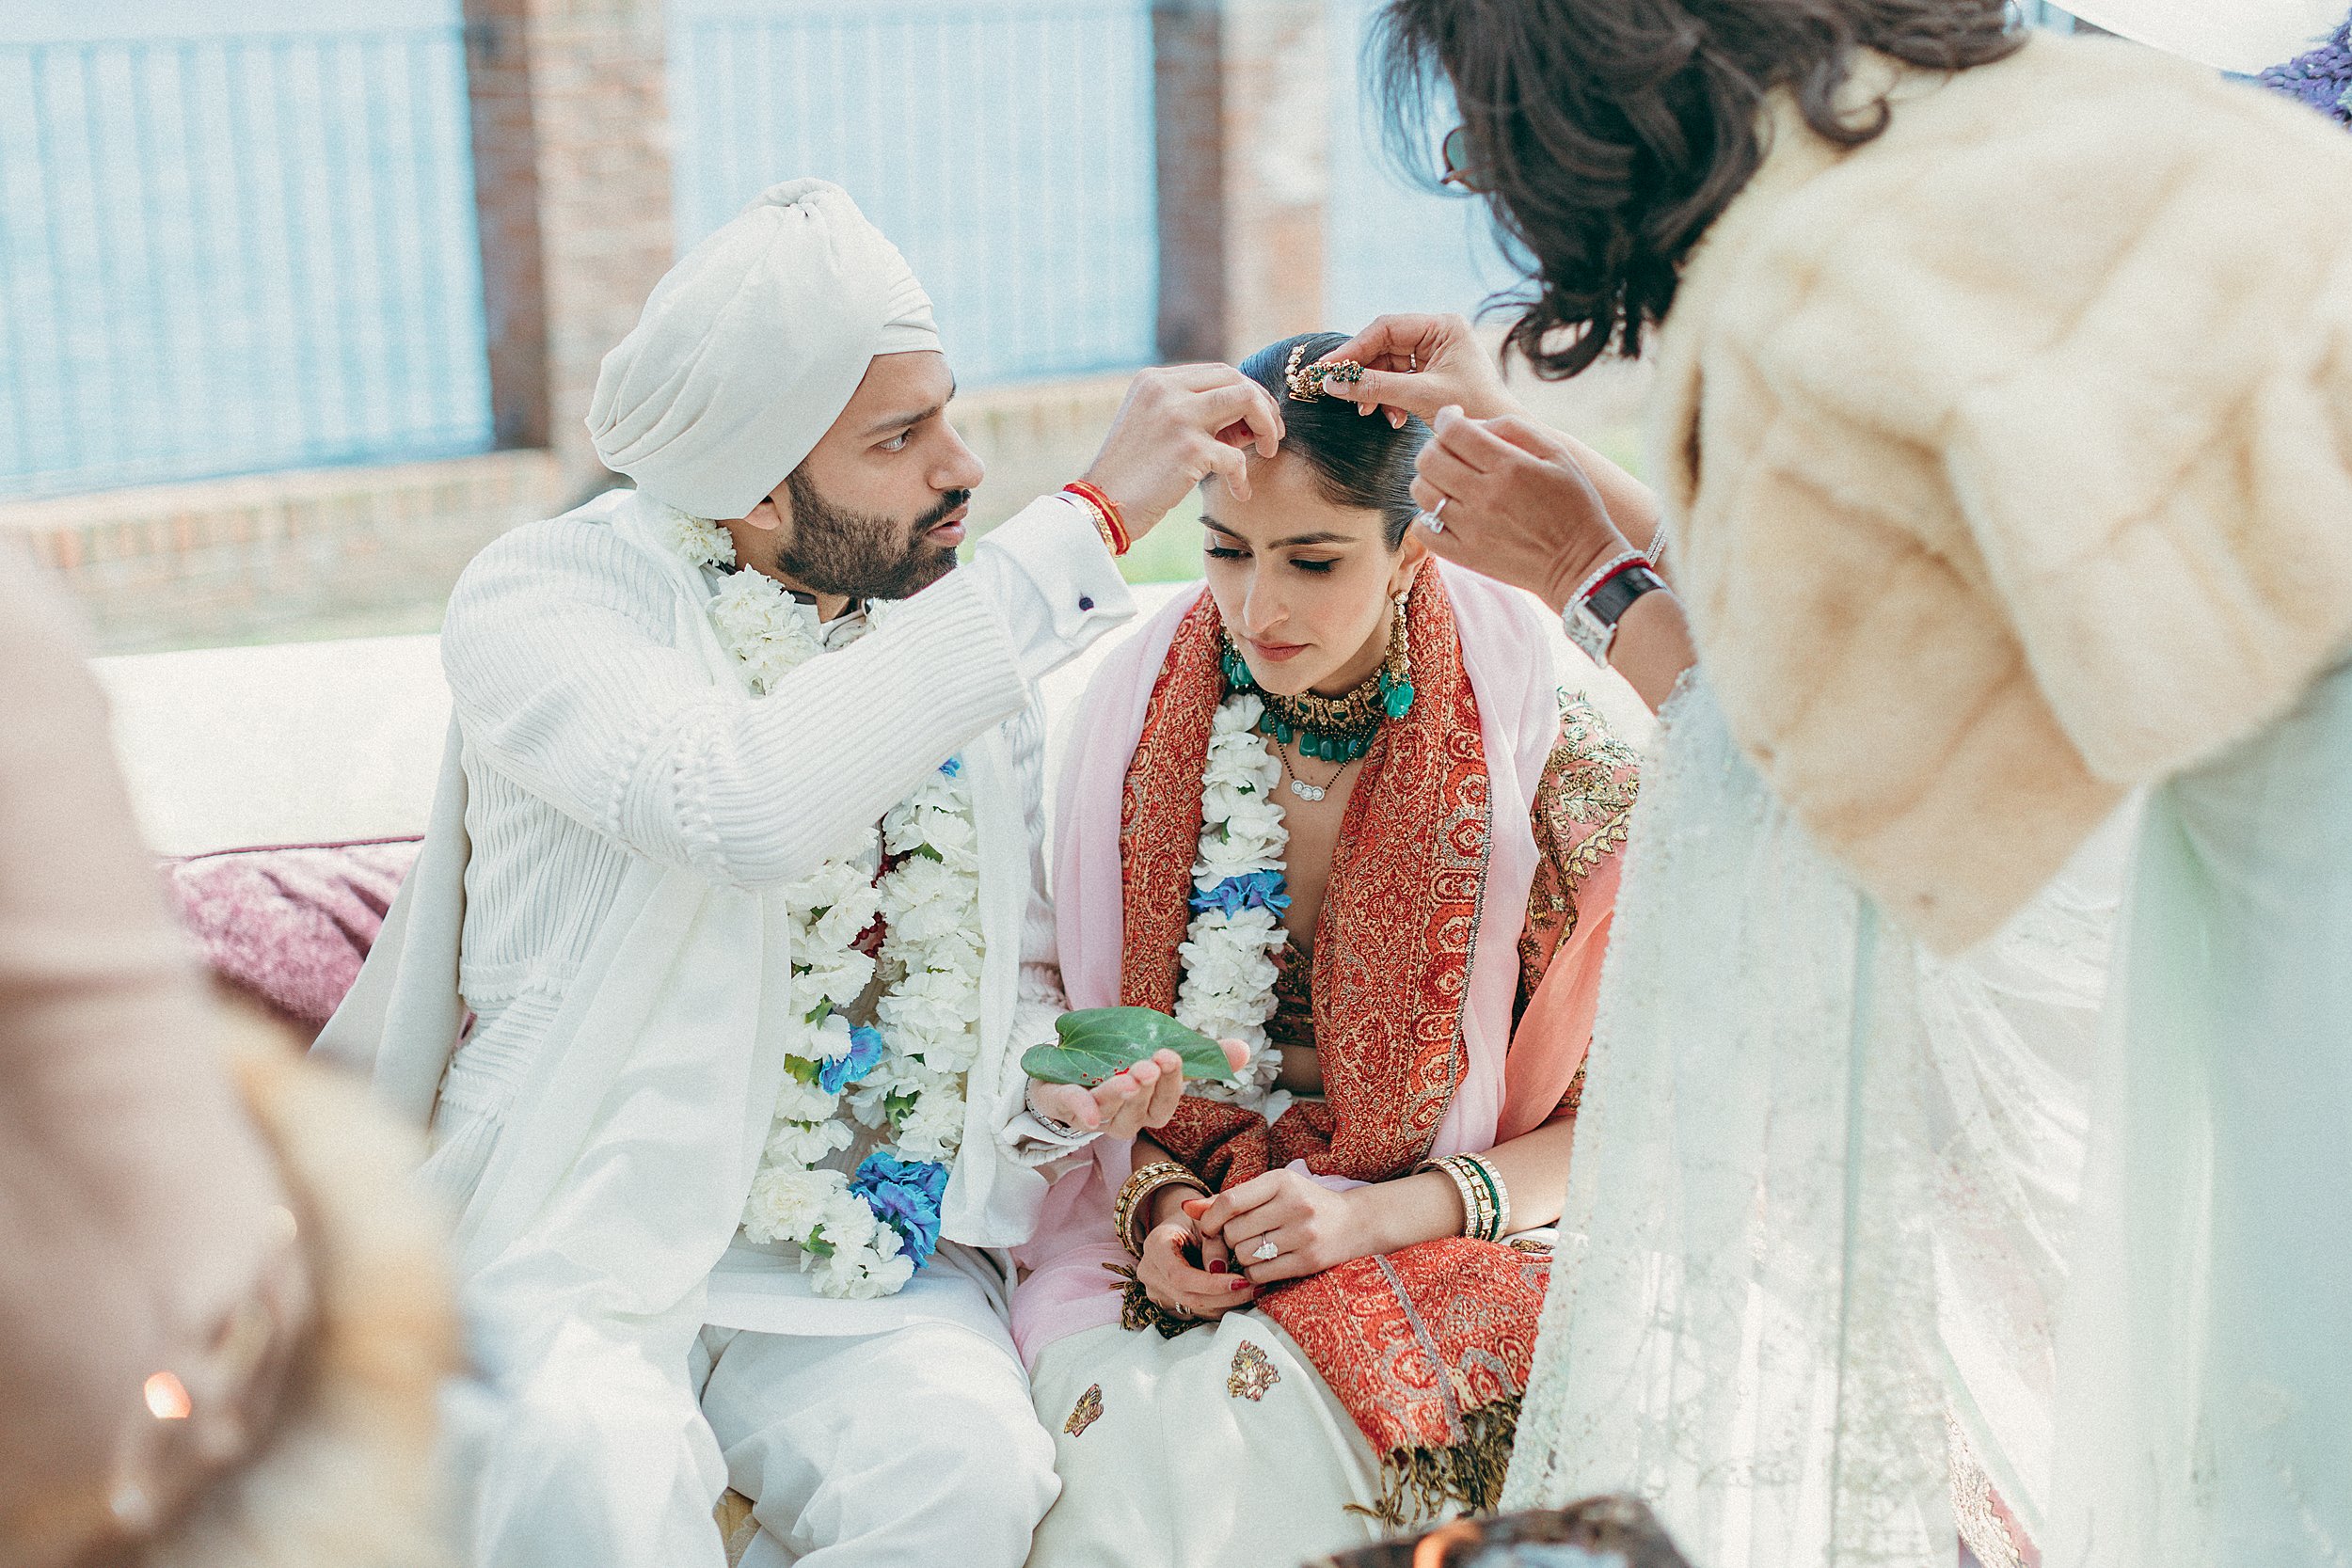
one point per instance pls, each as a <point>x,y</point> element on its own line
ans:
<point>2004,385</point>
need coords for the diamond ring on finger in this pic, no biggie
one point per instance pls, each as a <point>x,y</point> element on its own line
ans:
<point>1265,1252</point>
<point>1434,519</point>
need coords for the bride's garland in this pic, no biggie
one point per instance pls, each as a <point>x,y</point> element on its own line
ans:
<point>1238,898</point>
<point>862,1234</point>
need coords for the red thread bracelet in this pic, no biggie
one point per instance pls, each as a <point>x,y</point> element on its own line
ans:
<point>1094,496</point>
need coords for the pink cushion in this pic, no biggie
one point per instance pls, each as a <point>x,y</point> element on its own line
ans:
<point>292,925</point>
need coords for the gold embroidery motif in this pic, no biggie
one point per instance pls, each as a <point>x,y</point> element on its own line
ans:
<point>1088,1411</point>
<point>1583,807</point>
<point>1252,1375</point>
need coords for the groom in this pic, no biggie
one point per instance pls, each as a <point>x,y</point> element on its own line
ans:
<point>735,866</point>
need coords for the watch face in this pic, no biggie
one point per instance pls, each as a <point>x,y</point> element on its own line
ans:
<point>1589,632</point>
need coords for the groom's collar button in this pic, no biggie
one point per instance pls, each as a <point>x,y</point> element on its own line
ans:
<point>1086,601</point>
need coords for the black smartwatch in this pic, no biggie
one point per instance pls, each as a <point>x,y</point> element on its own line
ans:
<point>1593,614</point>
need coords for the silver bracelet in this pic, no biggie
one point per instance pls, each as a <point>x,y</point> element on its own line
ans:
<point>1060,1129</point>
<point>1603,572</point>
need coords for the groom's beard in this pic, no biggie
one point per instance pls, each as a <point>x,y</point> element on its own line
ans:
<point>861,555</point>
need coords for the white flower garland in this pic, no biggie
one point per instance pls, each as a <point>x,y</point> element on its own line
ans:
<point>861,1234</point>
<point>1228,987</point>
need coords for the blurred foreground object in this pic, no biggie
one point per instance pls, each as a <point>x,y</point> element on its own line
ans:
<point>1599,1532</point>
<point>223,1326</point>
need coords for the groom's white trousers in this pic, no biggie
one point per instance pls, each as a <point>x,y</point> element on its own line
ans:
<point>914,1446</point>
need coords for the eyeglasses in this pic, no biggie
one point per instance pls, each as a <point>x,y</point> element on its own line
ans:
<point>1459,170</point>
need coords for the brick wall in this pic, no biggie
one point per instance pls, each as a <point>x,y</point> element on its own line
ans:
<point>277,557</point>
<point>572,187</point>
<point>1242,105</point>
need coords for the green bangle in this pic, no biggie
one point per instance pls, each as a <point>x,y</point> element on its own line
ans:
<point>1477,1196</point>
<point>1498,1197</point>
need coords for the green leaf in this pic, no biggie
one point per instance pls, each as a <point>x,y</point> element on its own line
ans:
<point>1097,1043</point>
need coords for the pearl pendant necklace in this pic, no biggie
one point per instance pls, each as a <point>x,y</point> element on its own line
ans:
<point>1310,793</point>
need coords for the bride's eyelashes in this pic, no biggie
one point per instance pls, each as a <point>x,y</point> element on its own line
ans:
<point>1219,552</point>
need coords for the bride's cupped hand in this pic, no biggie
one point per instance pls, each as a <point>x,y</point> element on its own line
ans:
<point>1178,424</point>
<point>1511,504</point>
<point>1135,1099</point>
<point>1418,364</point>
<point>1309,1226</point>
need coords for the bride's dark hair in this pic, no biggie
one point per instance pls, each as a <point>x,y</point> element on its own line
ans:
<point>1611,132</point>
<point>1357,460</point>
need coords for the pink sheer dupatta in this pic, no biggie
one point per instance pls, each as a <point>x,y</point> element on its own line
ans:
<point>1509,1087</point>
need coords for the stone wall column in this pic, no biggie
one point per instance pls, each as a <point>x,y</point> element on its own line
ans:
<point>572,192</point>
<point>1243,90</point>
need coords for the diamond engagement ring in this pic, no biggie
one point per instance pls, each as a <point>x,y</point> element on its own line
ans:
<point>1265,1252</point>
<point>1433,520</point>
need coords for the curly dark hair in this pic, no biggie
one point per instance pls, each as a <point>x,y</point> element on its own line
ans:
<point>1610,133</point>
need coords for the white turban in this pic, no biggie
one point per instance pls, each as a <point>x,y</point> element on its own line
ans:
<point>750,348</point>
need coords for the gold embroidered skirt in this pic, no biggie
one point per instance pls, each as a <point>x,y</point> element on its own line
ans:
<point>1218,1449</point>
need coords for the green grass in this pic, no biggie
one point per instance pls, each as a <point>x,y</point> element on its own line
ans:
<point>1171,551</point>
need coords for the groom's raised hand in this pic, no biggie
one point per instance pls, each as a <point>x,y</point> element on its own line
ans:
<point>1135,1099</point>
<point>1178,424</point>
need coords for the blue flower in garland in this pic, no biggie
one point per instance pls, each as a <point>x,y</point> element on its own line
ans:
<point>835,1074</point>
<point>953,767</point>
<point>904,1195</point>
<point>1254,889</point>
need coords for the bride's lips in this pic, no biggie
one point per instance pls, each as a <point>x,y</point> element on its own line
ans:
<point>949,531</point>
<point>1276,653</point>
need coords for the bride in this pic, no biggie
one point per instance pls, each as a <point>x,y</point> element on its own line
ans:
<point>1330,807</point>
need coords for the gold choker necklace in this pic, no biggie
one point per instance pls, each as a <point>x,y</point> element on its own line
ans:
<point>1336,729</point>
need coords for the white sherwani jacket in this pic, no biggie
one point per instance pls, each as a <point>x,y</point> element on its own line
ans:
<point>601,887</point>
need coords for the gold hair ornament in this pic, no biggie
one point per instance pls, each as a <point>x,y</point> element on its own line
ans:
<point>1305,382</point>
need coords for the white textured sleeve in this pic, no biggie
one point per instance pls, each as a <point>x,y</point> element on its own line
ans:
<point>559,647</point>
<point>1031,1141</point>
<point>1046,572</point>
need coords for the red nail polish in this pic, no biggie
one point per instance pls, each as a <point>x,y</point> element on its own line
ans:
<point>1217,1265</point>
<point>1238,1285</point>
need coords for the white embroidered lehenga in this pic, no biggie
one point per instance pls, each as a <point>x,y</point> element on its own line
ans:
<point>1838,1177</point>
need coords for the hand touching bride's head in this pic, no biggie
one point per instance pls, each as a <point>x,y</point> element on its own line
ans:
<point>1304,572</point>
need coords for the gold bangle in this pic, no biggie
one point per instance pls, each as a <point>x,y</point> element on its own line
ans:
<point>1486,1202</point>
<point>1102,524</point>
<point>1464,1187</point>
<point>1498,1219</point>
<point>1139,1189</point>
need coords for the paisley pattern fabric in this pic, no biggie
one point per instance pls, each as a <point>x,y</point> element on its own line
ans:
<point>1429,1350</point>
<point>1392,946</point>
